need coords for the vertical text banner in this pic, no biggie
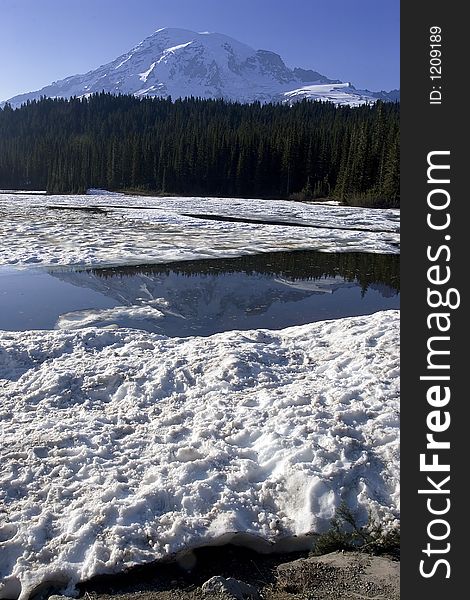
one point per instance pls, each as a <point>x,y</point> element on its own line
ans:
<point>434,326</point>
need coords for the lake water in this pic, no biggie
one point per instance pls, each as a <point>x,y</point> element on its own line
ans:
<point>203,297</point>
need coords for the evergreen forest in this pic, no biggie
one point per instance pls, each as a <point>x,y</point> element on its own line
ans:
<point>203,147</point>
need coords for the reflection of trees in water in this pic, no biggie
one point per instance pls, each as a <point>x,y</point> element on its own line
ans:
<point>365,268</point>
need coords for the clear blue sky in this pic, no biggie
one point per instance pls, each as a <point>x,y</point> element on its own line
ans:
<point>45,40</point>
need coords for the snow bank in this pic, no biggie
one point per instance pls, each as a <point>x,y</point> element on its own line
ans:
<point>122,447</point>
<point>34,233</point>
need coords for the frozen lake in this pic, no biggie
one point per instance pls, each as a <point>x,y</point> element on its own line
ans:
<point>109,230</point>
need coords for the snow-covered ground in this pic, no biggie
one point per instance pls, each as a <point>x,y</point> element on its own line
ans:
<point>121,447</point>
<point>157,231</point>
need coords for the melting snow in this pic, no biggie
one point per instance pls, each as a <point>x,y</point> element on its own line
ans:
<point>122,447</point>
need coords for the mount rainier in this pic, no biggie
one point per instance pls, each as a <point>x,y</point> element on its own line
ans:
<point>180,63</point>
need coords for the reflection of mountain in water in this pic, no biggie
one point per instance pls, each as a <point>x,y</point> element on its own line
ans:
<point>272,290</point>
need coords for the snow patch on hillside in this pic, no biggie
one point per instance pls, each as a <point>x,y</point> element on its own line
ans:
<point>338,93</point>
<point>144,76</point>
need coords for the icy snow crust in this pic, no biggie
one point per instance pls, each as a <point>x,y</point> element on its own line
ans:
<point>122,447</point>
<point>33,232</point>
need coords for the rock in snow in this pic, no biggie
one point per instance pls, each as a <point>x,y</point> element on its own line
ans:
<point>230,587</point>
<point>122,447</point>
<point>181,63</point>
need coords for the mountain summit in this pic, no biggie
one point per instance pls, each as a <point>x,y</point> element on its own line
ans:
<point>180,63</point>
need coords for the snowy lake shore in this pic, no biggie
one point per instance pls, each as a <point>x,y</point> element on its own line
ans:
<point>121,447</point>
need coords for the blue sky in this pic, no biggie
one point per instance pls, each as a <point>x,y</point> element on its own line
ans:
<point>45,40</point>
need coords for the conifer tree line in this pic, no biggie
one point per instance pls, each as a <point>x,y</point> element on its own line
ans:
<point>203,147</point>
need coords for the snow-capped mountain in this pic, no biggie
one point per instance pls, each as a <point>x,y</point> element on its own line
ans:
<point>180,63</point>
